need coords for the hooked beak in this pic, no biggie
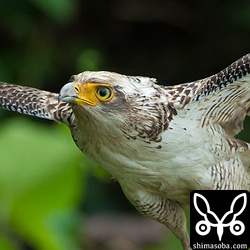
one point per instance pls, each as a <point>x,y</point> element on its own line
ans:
<point>68,93</point>
<point>77,93</point>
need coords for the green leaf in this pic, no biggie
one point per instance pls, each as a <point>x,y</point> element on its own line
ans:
<point>40,184</point>
<point>6,245</point>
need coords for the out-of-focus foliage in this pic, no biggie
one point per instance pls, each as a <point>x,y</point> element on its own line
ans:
<point>40,185</point>
<point>45,188</point>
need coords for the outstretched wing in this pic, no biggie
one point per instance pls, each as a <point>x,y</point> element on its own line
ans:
<point>223,98</point>
<point>35,102</point>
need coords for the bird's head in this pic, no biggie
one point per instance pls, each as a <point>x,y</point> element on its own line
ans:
<point>116,100</point>
<point>105,89</point>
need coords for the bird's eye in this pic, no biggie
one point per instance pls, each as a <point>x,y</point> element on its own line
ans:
<point>104,94</point>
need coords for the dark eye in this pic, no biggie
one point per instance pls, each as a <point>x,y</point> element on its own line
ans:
<point>104,93</point>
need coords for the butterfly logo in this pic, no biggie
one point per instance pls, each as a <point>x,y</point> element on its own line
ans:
<point>236,227</point>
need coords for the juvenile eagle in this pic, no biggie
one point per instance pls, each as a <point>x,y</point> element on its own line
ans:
<point>160,143</point>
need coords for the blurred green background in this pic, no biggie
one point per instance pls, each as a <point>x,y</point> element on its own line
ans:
<point>51,196</point>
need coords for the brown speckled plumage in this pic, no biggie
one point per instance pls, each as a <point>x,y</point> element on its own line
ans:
<point>159,142</point>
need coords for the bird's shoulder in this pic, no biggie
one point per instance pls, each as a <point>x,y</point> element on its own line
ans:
<point>223,98</point>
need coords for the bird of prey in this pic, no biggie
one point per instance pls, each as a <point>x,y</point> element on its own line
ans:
<point>158,142</point>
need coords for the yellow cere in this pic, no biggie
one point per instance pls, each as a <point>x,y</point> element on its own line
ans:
<point>93,93</point>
